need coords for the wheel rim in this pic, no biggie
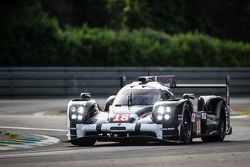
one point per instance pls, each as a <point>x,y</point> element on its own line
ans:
<point>187,125</point>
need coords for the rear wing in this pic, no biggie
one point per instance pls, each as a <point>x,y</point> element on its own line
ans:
<point>166,80</point>
<point>226,86</point>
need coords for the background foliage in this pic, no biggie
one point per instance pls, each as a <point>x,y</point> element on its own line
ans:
<point>125,33</point>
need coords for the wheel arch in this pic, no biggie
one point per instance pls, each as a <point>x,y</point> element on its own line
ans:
<point>180,106</point>
<point>209,103</point>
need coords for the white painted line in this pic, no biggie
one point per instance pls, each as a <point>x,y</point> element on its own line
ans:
<point>47,141</point>
<point>27,128</point>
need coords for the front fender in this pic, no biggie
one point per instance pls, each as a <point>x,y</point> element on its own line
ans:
<point>90,108</point>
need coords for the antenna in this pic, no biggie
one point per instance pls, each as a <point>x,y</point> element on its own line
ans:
<point>149,71</point>
<point>123,81</point>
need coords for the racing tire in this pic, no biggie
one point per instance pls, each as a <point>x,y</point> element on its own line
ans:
<point>222,125</point>
<point>186,125</point>
<point>83,142</point>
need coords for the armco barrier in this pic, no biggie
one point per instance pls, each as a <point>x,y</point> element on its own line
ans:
<point>103,81</point>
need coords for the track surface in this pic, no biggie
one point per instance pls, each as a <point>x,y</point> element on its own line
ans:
<point>235,151</point>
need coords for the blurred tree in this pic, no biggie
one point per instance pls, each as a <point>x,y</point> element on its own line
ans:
<point>227,19</point>
<point>29,37</point>
<point>116,12</point>
<point>27,34</point>
<point>167,15</point>
<point>94,13</point>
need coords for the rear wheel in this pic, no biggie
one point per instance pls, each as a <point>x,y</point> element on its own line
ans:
<point>186,125</point>
<point>220,109</point>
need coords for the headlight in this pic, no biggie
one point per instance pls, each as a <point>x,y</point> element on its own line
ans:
<point>163,113</point>
<point>79,117</point>
<point>159,117</point>
<point>160,110</point>
<point>73,116</point>
<point>166,117</point>
<point>168,109</point>
<point>76,112</point>
<point>80,110</point>
<point>73,109</point>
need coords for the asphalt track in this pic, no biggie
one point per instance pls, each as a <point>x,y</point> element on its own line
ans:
<point>29,117</point>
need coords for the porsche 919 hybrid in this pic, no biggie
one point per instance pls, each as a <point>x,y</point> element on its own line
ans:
<point>147,110</point>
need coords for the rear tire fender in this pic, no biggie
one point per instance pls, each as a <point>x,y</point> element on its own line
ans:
<point>220,112</point>
<point>209,103</point>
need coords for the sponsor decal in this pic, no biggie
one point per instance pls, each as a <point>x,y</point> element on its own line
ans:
<point>198,124</point>
<point>193,117</point>
<point>198,130</point>
<point>203,116</point>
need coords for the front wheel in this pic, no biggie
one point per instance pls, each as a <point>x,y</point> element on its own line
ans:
<point>83,142</point>
<point>185,127</point>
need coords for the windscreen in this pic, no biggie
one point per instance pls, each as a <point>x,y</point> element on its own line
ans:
<point>133,97</point>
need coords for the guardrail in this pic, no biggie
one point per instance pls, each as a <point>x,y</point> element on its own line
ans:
<point>103,81</point>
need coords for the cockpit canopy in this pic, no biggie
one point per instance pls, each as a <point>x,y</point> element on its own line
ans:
<point>139,96</point>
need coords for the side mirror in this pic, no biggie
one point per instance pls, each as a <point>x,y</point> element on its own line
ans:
<point>188,96</point>
<point>85,96</point>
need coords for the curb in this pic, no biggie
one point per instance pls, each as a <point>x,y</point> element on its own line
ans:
<point>237,115</point>
<point>12,141</point>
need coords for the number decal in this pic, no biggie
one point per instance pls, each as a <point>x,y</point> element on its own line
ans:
<point>121,118</point>
<point>116,118</point>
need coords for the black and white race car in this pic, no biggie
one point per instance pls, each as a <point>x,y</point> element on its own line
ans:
<point>147,110</point>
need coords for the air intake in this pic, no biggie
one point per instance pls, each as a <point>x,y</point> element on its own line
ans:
<point>145,79</point>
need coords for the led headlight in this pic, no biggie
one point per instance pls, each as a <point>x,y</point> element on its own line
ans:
<point>80,110</point>
<point>73,116</point>
<point>79,117</point>
<point>166,117</point>
<point>168,109</point>
<point>163,113</point>
<point>160,110</point>
<point>73,109</point>
<point>159,117</point>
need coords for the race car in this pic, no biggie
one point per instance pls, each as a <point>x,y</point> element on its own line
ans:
<point>147,110</point>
